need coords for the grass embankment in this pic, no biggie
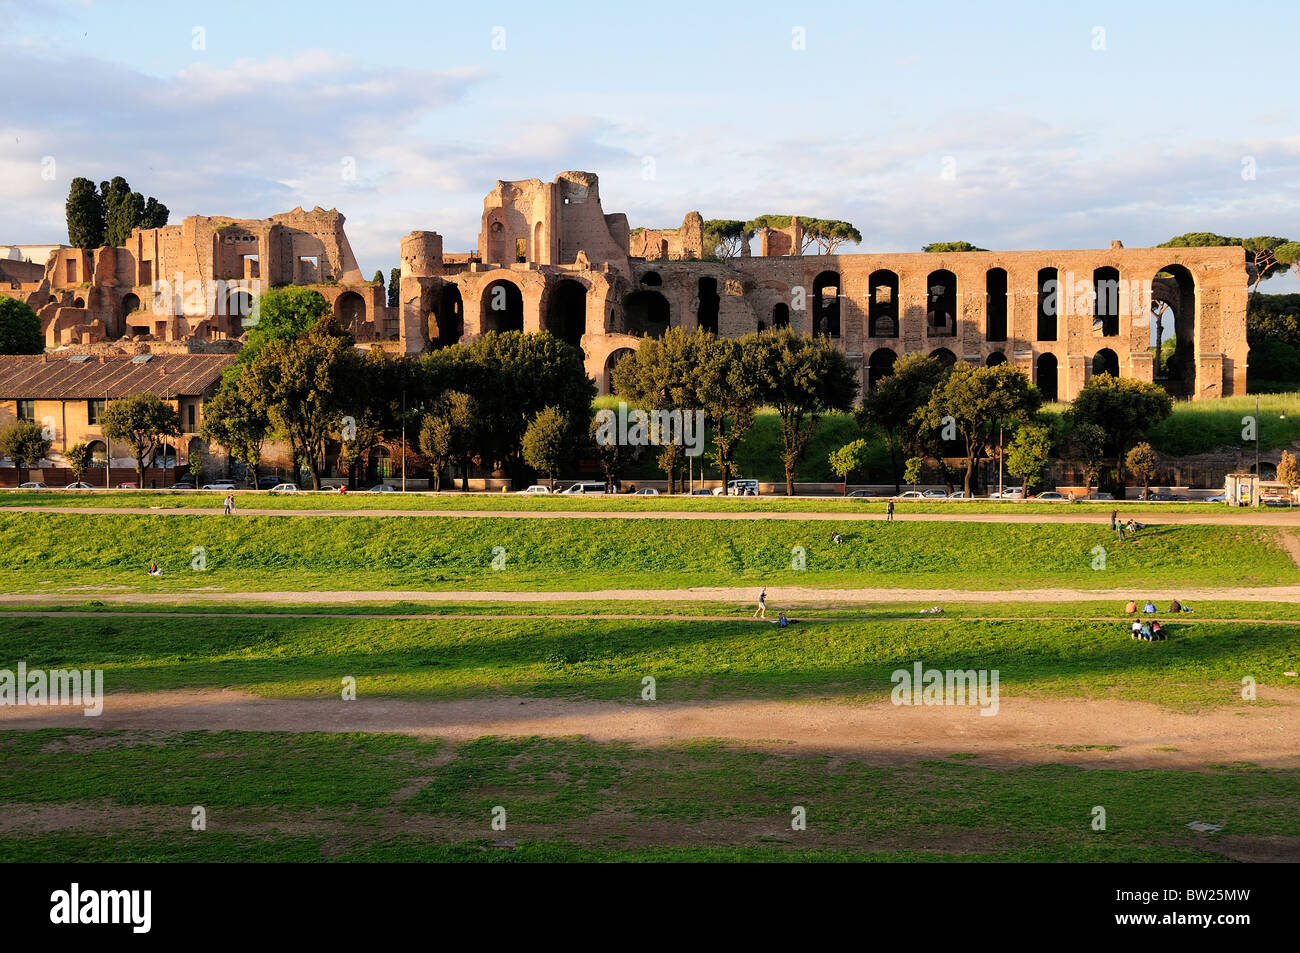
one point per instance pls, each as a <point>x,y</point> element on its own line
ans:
<point>40,552</point>
<point>310,797</point>
<point>1200,666</point>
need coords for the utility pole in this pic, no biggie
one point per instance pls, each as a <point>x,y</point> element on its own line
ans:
<point>999,459</point>
<point>1255,500</point>
<point>108,450</point>
<point>403,439</point>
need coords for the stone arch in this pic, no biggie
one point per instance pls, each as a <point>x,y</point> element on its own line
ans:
<point>1105,301</point>
<point>98,454</point>
<point>501,307</point>
<point>240,306</point>
<point>1046,372</point>
<point>944,356</point>
<point>566,312</point>
<point>882,304</point>
<point>941,303</point>
<point>78,302</point>
<point>611,361</point>
<point>130,302</point>
<point>780,315</point>
<point>447,320</point>
<point>646,314</point>
<point>994,359</point>
<point>350,310</point>
<point>710,304</point>
<point>1048,304</point>
<point>1173,303</point>
<point>995,305</point>
<point>826,304</point>
<point>1105,361</point>
<point>652,279</point>
<point>880,365</point>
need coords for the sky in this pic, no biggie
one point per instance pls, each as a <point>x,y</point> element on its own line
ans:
<point>1052,124</point>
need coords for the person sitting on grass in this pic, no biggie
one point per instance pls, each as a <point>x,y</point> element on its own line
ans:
<point>1131,607</point>
<point>1149,608</point>
<point>154,570</point>
<point>836,538</point>
<point>782,621</point>
<point>1157,633</point>
<point>1136,631</point>
<point>1146,631</point>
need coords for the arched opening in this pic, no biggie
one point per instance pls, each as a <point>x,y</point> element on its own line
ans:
<point>941,304</point>
<point>78,302</point>
<point>1105,361</point>
<point>826,304</point>
<point>566,312</point>
<point>1047,304</point>
<point>502,307</point>
<point>381,464</point>
<point>707,313</point>
<point>1045,376</point>
<point>130,303</point>
<point>879,366</point>
<point>995,305</point>
<point>652,279</point>
<point>239,308</point>
<point>610,363</point>
<point>350,310</point>
<point>944,356</point>
<point>1105,297</point>
<point>447,322</point>
<point>646,314</point>
<point>1173,327</point>
<point>882,304</point>
<point>781,315</point>
<point>994,359</point>
<point>98,454</point>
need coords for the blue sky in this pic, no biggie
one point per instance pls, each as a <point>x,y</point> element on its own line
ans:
<point>1061,125</point>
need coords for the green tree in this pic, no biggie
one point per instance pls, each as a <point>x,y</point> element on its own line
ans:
<point>1288,473</point>
<point>1141,461</point>
<point>282,314</point>
<point>891,407</point>
<point>25,443</point>
<point>20,328</point>
<point>727,385</point>
<point>1028,454</point>
<point>79,457</point>
<point>234,420</point>
<point>436,444</point>
<point>196,465</point>
<point>85,214</point>
<point>724,238</point>
<point>141,421</point>
<point>447,435</point>
<point>612,456</point>
<point>974,401</point>
<point>155,214</point>
<point>395,288</point>
<point>937,247</point>
<point>848,459</point>
<point>803,379</point>
<point>824,234</point>
<point>547,442</point>
<point>661,375</point>
<point>1086,445</point>
<point>912,470</point>
<point>1124,408</point>
<point>1261,252</point>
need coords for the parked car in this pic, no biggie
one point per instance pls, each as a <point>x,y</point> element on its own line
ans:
<point>181,486</point>
<point>960,495</point>
<point>863,495</point>
<point>646,491</point>
<point>128,486</point>
<point>282,488</point>
<point>537,489</point>
<point>701,492</point>
<point>586,489</point>
<point>382,488</point>
<point>266,482</point>
<point>911,495</point>
<point>1106,497</point>
<point>1051,496</point>
<point>78,486</point>
<point>223,485</point>
<point>741,487</point>
<point>1008,493</point>
<point>934,495</point>
<point>1218,498</point>
<point>32,486</point>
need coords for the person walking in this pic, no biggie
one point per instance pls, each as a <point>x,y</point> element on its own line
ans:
<point>226,504</point>
<point>761,611</point>
<point>889,512</point>
<point>1114,518</point>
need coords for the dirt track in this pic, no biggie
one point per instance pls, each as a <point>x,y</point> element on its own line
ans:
<point>1276,518</point>
<point>1024,731</point>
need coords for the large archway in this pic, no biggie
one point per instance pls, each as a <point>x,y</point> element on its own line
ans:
<point>646,314</point>
<point>350,311</point>
<point>994,359</point>
<point>1173,329</point>
<point>610,363</point>
<point>944,356</point>
<point>1045,376</point>
<point>707,312</point>
<point>882,304</point>
<point>447,322</point>
<point>879,366</point>
<point>239,311</point>
<point>941,304</point>
<point>502,307</point>
<point>1105,361</point>
<point>1105,297</point>
<point>826,304</point>
<point>995,304</point>
<point>1048,304</point>
<point>566,312</point>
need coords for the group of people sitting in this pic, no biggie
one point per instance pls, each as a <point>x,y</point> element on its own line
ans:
<point>1150,607</point>
<point>1150,631</point>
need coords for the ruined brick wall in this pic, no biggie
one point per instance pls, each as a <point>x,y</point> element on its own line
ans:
<point>673,244</point>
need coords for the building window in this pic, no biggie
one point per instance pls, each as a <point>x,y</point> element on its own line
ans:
<point>95,412</point>
<point>26,410</point>
<point>189,416</point>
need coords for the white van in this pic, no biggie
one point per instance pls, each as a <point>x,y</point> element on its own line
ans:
<point>585,489</point>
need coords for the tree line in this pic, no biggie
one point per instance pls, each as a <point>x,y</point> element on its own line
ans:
<point>105,216</point>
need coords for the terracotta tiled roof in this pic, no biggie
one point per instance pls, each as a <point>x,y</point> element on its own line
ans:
<point>31,377</point>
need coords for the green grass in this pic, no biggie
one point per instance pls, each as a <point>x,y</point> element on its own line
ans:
<point>1199,667</point>
<point>306,797</point>
<point>40,552</point>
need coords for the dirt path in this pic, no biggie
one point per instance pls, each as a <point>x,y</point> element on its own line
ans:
<point>777,596</point>
<point>1215,517</point>
<point>1024,730</point>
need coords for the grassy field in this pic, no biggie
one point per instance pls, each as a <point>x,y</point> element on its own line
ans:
<point>249,500</point>
<point>432,658</point>
<point>310,797</point>
<point>42,551</point>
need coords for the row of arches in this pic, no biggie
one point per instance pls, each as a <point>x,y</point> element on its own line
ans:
<point>1046,367</point>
